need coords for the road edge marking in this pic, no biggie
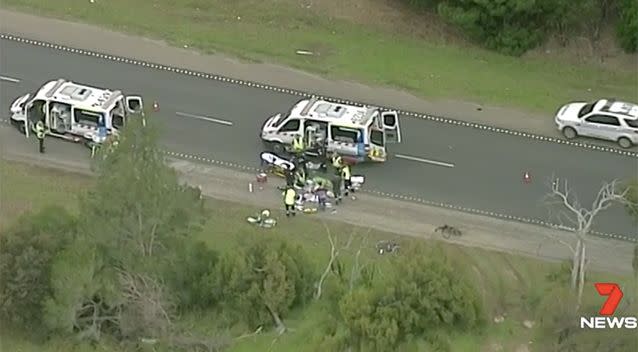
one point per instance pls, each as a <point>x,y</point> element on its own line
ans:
<point>257,85</point>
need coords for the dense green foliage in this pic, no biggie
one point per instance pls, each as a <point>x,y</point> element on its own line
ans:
<point>423,296</point>
<point>515,26</point>
<point>26,253</point>
<point>628,25</point>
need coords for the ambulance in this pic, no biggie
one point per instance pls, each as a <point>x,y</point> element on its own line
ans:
<point>74,111</point>
<point>358,134</point>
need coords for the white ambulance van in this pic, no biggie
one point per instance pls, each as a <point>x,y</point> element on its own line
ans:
<point>73,111</point>
<point>357,133</point>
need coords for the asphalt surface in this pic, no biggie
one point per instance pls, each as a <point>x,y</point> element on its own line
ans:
<point>488,166</point>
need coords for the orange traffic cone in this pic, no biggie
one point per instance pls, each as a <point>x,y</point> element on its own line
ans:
<point>155,106</point>
<point>527,178</point>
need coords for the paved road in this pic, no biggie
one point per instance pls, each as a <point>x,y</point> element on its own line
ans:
<point>488,167</point>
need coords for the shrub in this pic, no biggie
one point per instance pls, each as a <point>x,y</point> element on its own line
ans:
<point>26,253</point>
<point>627,29</point>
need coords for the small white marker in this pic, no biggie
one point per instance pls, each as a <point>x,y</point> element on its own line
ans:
<point>205,118</point>
<point>9,79</point>
<point>426,161</point>
<point>250,187</point>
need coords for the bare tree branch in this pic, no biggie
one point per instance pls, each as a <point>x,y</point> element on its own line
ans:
<point>334,254</point>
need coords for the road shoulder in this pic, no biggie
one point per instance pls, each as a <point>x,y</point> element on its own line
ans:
<point>388,215</point>
<point>87,37</point>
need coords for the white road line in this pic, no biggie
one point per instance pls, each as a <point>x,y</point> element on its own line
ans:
<point>426,161</point>
<point>9,79</point>
<point>205,118</point>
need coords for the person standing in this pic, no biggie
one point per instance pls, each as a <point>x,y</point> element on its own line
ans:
<point>290,195</point>
<point>345,177</point>
<point>298,145</point>
<point>39,133</point>
<point>336,188</point>
<point>290,177</point>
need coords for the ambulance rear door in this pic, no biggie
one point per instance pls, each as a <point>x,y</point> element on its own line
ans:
<point>391,128</point>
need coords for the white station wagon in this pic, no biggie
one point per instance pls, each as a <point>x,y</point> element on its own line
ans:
<point>606,119</point>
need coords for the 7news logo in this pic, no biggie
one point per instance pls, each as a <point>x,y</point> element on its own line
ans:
<point>607,321</point>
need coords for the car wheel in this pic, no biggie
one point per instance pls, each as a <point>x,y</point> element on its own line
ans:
<point>569,133</point>
<point>278,148</point>
<point>624,142</point>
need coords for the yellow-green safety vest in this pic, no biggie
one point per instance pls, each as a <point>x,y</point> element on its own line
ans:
<point>297,144</point>
<point>289,196</point>
<point>345,172</point>
<point>39,130</point>
<point>336,161</point>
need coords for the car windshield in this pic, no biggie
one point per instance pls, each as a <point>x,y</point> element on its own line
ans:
<point>632,123</point>
<point>586,109</point>
<point>281,119</point>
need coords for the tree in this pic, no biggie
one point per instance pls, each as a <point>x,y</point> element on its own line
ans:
<point>627,30</point>
<point>335,251</point>
<point>138,209</point>
<point>26,253</point>
<point>131,221</point>
<point>583,220</point>
<point>264,281</point>
<point>426,292</point>
<point>85,298</point>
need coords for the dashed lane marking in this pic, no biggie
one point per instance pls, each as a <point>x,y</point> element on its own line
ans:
<point>9,79</point>
<point>306,94</point>
<point>425,161</point>
<point>204,118</point>
<point>397,196</point>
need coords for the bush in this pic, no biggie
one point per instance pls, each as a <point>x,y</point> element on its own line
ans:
<point>261,283</point>
<point>425,294</point>
<point>187,275</point>
<point>26,253</point>
<point>627,29</point>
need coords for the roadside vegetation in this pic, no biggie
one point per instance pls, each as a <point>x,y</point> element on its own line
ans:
<point>437,49</point>
<point>133,260</point>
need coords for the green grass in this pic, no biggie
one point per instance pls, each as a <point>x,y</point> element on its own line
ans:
<point>364,51</point>
<point>509,284</point>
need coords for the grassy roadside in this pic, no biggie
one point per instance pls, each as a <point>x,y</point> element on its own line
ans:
<point>517,283</point>
<point>362,51</point>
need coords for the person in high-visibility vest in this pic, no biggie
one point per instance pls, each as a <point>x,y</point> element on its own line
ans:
<point>300,178</point>
<point>290,195</point>
<point>298,145</point>
<point>39,133</point>
<point>336,160</point>
<point>345,176</point>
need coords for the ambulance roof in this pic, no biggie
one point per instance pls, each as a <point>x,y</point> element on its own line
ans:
<point>345,115</point>
<point>81,96</point>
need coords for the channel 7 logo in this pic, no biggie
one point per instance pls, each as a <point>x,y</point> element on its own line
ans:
<point>606,320</point>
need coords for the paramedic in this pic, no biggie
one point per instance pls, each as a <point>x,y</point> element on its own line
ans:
<point>345,176</point>
<point>290,196</point>
<point>297,145</point>
<point>39,133</point>
<point>290,177</point>
<point>337,162</point>
<point>300,178</point>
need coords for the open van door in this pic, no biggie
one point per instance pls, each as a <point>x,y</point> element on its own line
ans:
<point>391,128</point>
<point>134,104</point>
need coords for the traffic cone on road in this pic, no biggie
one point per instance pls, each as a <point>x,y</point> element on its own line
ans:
<point>155,106</point>
<point>527,178</point>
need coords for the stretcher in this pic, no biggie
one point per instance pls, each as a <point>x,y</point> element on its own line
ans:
<point>275,164</point>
